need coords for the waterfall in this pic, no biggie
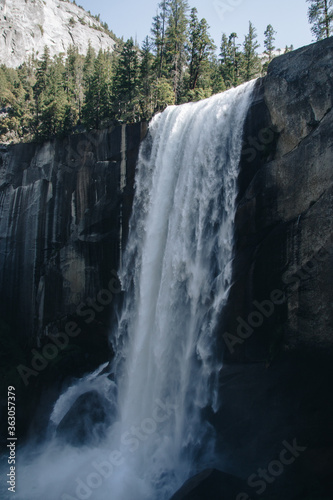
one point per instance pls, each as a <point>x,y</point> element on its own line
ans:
<point>176,275</point>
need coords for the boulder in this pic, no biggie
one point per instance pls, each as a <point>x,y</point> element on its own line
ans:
<point>87,420</point>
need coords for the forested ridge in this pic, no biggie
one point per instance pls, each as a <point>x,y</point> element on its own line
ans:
<point>179,62</point>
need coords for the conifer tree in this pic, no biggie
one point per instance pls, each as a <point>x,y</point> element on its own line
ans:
<point>176,38</point>
<point>7,80</point>
<point>98,98</point>
<point>288,49</point>
<point>201,47</point>
<point>163,94</point>
<point>42,71</point>
<point>269,42</point>
<point>74,85</point>
<point>25,105</point>
<point>159,34</point>
<point>156,31</point>
<point>216,80</point>
<point>146,80</point>
<point>55,102</point>
<point>251,63</point>
<point>9,122</point>
<point>88,67</point>
<point>320,15</point>
<point>126,84</point>
<point>231,60</point>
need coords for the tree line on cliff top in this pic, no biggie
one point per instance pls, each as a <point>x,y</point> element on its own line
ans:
<point>177,63</point>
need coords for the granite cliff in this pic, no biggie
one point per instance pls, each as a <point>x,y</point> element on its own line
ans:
<point>276,336</point>
<point>65,206</point>
<point>64,215</point>
<point>28,25</point>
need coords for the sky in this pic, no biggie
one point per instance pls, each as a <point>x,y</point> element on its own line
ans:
<point>133,18</point>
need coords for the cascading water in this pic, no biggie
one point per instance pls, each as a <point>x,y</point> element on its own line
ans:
<point>176,275</point>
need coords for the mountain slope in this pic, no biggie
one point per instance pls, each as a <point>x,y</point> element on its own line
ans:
<point>26,26</point>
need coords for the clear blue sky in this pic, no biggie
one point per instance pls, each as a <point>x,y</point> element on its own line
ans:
<point>289,18</point>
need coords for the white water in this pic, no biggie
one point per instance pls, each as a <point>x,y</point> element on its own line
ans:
<point>176,275</point>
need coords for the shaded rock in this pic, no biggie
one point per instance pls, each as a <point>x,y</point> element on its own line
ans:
<point>87,420</point>
<point>277,376</point>
<point>212,484</point>
<point>64,212</point>
<point>284,228</point>
<point>64,216</point>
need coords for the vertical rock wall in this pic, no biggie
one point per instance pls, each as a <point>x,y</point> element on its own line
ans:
<point>64,211</point>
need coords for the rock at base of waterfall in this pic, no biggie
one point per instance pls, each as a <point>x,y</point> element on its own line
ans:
<point>87,420</point>
<point>212,483</point>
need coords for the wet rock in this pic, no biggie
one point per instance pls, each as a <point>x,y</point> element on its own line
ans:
<point>87,420</point>
<point>212,484</point>
<point>64,212</point>
<point>277,377</point>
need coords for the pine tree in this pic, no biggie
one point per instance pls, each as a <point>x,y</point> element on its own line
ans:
<point>225,61</point>
<point>9,123</point>
<point>288,49</point>
<point>251,63</point>
<point>55,102</point>
<point>176,38</point>
<point>7,80</point>
<point>42,72</point>
<point>146,79</point>
<point>201,47</point>
<point>269,42</point>
<point>24,107</point>
<point>98,98</point>
<point>231,60</point>
<point>158,31</point>
<point>164,18</point>
<point>320,15</point>
<point>216,80</point>
<point>74,85</point>
<point>88,67</point>
<point>126,84</point>
<point>163,94</point>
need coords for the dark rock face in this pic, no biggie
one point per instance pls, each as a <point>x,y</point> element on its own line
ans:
<point>277,335</point>
<point>284,218</point>
<point>64,215</point>
<point>211,484</point>
<point>87,420</point>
